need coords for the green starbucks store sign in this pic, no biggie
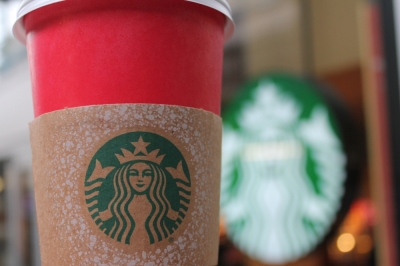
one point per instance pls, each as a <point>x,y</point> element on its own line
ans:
<point>283,170</point>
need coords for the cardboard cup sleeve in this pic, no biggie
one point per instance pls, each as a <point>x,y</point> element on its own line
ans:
<point>127,184</point>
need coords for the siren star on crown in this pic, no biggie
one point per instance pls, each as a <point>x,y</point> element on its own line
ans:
<point>140,153</point>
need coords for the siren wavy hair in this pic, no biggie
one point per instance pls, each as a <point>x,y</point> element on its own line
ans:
<point>124,193</point>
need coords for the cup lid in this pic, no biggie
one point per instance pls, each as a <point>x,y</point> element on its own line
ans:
<point>31,5</point>
<point>223,7</point>
<point>26,7</point>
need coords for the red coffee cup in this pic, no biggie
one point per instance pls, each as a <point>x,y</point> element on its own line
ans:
<point>106,52</point>
<point>126,144</point>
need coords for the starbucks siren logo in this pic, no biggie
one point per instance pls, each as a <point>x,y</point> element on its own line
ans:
<point>138,187</point>
<point>283,173</point>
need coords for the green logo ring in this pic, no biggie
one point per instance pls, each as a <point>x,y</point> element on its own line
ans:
<point>138,186</point>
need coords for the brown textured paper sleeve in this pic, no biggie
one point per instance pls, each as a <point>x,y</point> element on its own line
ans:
<point>130,184</point>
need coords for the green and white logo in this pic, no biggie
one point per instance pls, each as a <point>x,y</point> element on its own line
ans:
<point>283,170</point>
<point>138,187</point>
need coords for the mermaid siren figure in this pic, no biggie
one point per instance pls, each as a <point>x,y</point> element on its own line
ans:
<point>148,201</point>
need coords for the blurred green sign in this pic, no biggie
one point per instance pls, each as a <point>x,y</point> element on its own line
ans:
<point>283,169</point>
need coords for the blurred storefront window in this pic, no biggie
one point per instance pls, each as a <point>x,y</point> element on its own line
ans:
<point>10,49</point>
<point>19,244</point>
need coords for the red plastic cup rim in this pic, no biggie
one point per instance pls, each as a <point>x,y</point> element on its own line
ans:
<point>28,6</point>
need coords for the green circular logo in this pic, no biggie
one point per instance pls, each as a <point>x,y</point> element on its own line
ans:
<point>283,170</point>
<point>138,186</point>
